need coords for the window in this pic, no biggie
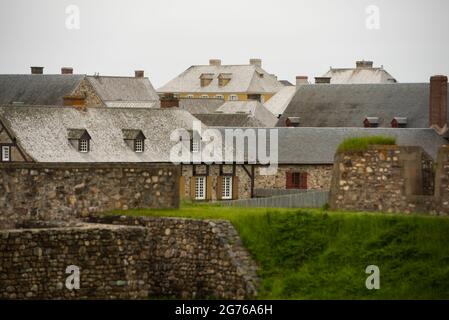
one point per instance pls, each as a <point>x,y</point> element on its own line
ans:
<point>219,96</point>
<point>204,96</point>
<point>6,153</point>
<point>138,145</point>
<point>84,145</point>
<point>233,97</point>
<point>296,180</point>
<point>200,188</point>
<point>195,145</point>
<point>227,188</point>
<point>189,96</point>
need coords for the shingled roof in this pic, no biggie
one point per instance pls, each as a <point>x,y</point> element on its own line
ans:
<point>197,106</point>
<point>42,132</point>
<point>229,120</point>
<point>37,89</point>
<point>325,105</point>
<point>244,79</point>
<point>250,107</point>
<point>363,73</point>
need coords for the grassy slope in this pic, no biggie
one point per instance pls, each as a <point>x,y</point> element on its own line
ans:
<point>311,254</point>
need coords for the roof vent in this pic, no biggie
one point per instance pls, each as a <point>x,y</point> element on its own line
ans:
<point>399,122</point>
<point>292,121</point>
<point>364,64</point>
<point>371,122</point>
<point>66,70</point>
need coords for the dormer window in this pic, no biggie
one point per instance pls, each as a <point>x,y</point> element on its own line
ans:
<point>135,139</point>
<point>292,122</point>
<point>206,79</point>
<point>79,139</point>
<point>371,122</point>
<point>224,79</point>
<point>6,153</point>
<point>399,122</point>
<point>195,141</point>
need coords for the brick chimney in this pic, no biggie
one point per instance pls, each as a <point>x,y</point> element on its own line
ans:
<point>66,70</point>
<point>364,64</point>
<point>322,80</point>
<point>168,100</point>
<point>438,103</point>
<point>215,62</point>
<point>139,74</point>
<point>256,62</point>
<point>300,80</point>
<point>37,70</point>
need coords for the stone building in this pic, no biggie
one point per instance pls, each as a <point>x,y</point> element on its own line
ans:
<point>226,82</point>
<point>304,159</point>
<point>363,73</point>
<point>79,90</point>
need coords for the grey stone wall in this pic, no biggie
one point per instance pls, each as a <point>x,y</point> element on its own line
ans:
<point>194,259</point>
<point>113,262</point>
<point>67,191</point>
<point>384,178</point>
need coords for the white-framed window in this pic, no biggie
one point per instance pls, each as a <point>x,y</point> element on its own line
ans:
<point>84,145</point>
<point>196,144</point>
<point>219,96</point>
<point>204,96</point>
<point>226,188</point>
<point>200,188</point>
<point>6,153</point>
<point>233,97</point>
<point>189,96</point>
<point>138,145</point>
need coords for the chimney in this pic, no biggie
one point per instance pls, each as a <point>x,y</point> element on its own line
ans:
<point>139,74</point>
<point>256,62</point>
<point>364,64</point>
<point>300,80</point>
<point>322,80</point>
<point>215,62</point>
<point>438,103</point>
<point>37,70</point>
<point>66,70</point>
<point>168,100</point>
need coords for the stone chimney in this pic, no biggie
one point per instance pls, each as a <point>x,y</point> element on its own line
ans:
<point>215,62</point>
<point>322,80</point>
<point>438,103</point>
<point>66,70</point>
<point>139,74</point>
<point>364,64</point>
<point>168,100</point>
<point>37,70</point>
<point>300,80</point>
<point>256,62</point>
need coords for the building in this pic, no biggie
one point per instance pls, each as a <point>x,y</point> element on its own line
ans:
<point>227,82</point>
<point>363,73</point>
<point>404,105</point>
<point>77,90</point>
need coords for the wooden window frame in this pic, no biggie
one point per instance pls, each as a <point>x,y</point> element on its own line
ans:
<point>80,144</point>
<point>226,188</point>
<point>137,148</point>
<point>204,188</point>
<point>297,180</point>
<point>5,147</point>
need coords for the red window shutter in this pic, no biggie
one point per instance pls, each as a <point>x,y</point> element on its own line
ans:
<point>303,183</point>
<point>289,180</point>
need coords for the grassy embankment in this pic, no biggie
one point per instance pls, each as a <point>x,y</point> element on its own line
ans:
<point>314,254</point>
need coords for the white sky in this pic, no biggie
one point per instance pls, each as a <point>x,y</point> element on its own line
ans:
<point>164,37</point>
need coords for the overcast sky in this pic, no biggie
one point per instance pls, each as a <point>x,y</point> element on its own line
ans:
<point>164,37</point>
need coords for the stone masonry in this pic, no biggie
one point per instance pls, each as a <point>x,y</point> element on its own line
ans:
<point>194,259</point>
<point>32,191</point>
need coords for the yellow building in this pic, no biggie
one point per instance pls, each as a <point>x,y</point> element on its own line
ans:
<point>227,82</point>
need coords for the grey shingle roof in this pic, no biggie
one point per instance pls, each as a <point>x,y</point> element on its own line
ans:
<point>319,145</point>
<point>37,89</point>
<point>123,88</point>
<point>245,78</point>
<point>359,75</point>
<point>228,120</point>
<point>253,108</point>
<point>279,102</point>
<point>42,132</point>
<point>348,105</point>
<point>200,105</point>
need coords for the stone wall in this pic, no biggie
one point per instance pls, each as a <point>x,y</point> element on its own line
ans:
<point>194,259</point>
<point>384,178</point>
<point>113,262</point>
<point>65,191</point>
<point>86,90</point>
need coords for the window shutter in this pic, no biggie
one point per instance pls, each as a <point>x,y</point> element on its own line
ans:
<point>303,184</point>
<point>182,187</point>
<point>192,188</point>
<point>235,188</point>
<point>289,180</point>
<point>208,188</point>
<point>219,187</point>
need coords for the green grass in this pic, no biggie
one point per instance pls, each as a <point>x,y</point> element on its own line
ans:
<point>313,254</point>
<point>360,144</point>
